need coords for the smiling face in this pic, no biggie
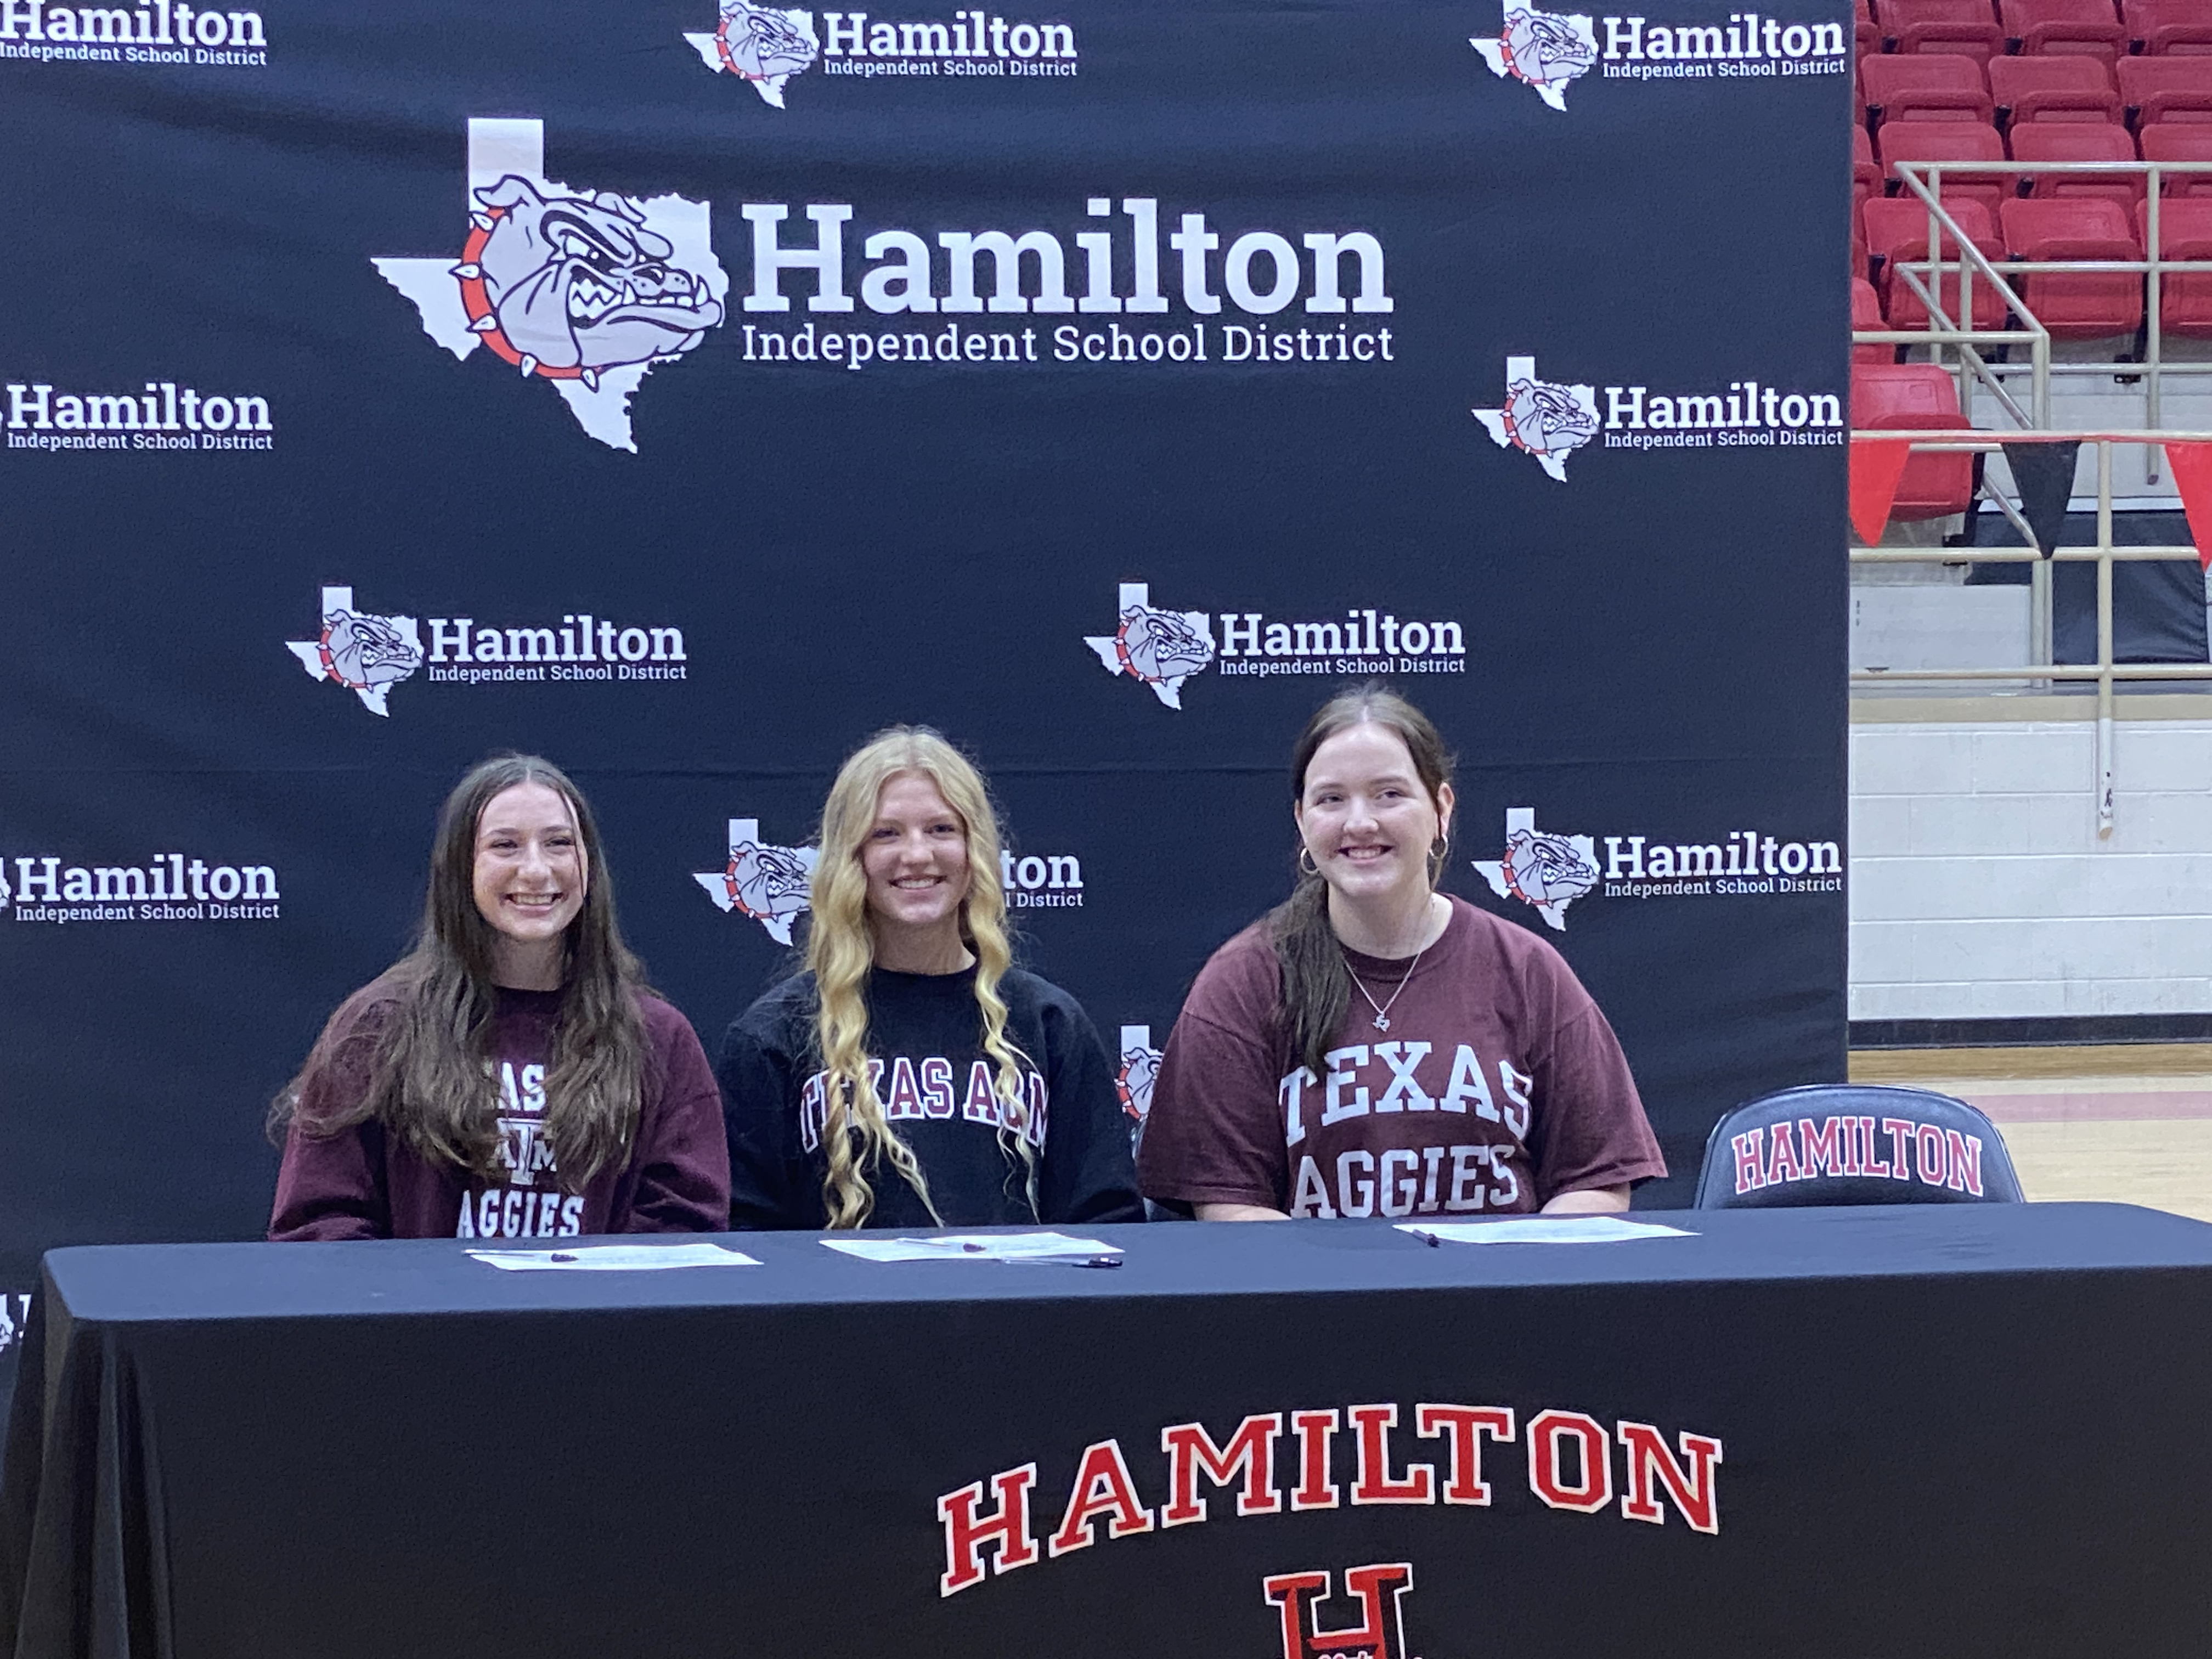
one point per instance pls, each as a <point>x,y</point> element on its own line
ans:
<point>1367,819</point>
<point>529,881</point>
<point>915,858</point>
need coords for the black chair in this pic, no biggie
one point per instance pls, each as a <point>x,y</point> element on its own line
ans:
<point>1854,1143</point>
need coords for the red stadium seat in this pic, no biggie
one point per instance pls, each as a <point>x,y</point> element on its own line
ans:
<point>2074,89</point>
<point>2185,232</point>
<point>2076,305</point>
<point>1897,231</point>
<point>2166,88</point>
<point>1950,141</point>
<point>1932,85</point>
<point>1947,26</point>
<point>1866,313</point>
<point>2179,140</point>
<point>2160,29</point>
<point>2073,141</point>
<point>1916,397</point>
<point>2063,28</point>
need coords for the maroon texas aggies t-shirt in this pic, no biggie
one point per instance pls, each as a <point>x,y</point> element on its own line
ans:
<point>366,1182</point>
<point>1497,1086</point>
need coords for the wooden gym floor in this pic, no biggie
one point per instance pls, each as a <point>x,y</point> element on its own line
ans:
<point>2124,1123</point>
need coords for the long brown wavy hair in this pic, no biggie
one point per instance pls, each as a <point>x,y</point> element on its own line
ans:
<point>421,1031</point>
<point>840,949</point>
<point>1316,982</point>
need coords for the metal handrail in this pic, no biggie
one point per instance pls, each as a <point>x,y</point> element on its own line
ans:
<point>2104,671</point>
<point>1924,179</point>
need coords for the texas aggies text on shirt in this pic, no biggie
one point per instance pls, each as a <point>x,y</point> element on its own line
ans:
<point>530,1203</point>
<point>1382,1078</point>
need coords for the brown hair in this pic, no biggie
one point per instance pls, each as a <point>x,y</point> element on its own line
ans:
<point>1316,983</point>
<point>428,1058</point>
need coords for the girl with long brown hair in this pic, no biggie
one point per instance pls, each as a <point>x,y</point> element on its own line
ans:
<point>912,1076</point>
<point>511,1076</point>
<point>1374,1046</point>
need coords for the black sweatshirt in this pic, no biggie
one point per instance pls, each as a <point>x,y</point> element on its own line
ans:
<point>925,1041</point>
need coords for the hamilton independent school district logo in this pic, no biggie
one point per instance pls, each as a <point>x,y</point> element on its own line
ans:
<point>769,883</point>
<point>760,45</point>
<point>1138,1069</point>
<point>1545,49</point>
<point>587,291</point>
<point>367,655</point>
<point>1548,420</point>
<point>1548,871</point>
<point>1162,648</point>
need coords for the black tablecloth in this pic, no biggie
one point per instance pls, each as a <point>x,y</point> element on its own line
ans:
<point>1943,1432</point>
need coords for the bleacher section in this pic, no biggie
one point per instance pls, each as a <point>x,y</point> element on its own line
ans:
<point>2077,84</point>
<point>2019,138</point>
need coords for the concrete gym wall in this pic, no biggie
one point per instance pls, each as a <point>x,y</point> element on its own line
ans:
<point>1979,888</point>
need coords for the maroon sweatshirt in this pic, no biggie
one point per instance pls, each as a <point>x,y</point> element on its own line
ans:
<point>364,1182</point>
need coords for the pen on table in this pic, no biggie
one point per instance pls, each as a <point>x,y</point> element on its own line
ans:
<point>1429,1239</point>
<point>563,1255</point>
<point>1068,1260</point>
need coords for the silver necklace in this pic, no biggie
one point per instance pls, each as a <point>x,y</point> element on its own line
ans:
<point>1383,1009</point>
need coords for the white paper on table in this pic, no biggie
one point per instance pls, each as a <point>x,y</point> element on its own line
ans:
<point>1542,1229</point>
<point>972,1247</point>
<point>616,1258</point>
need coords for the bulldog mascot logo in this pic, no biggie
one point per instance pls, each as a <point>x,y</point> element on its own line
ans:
<point>1547,871</point>
<point>1545,419</point>
<point>367,655</point>
<point>769,883</point>
<point>588,290</point>
<point>1545,49</point>
<point>762,47</point>
<point>1138,1070</point>
<point>1162,648</point>
<point>568,287</point>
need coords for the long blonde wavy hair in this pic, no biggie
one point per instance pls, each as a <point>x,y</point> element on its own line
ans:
<point>840,949</point>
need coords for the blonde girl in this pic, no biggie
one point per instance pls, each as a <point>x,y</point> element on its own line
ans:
<point>911,1076</point>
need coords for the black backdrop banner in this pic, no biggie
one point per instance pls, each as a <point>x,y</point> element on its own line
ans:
<point>685,394</point>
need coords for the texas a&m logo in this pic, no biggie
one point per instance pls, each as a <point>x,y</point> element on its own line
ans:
<point>1378,1589</point>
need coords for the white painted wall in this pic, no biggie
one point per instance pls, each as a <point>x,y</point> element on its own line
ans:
<point>1979,888</point>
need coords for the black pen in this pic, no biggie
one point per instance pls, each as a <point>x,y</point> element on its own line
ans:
<point>1069,1261</point>
<point>1429,1239</point>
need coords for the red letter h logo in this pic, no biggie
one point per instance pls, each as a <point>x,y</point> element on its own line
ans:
<point>1380,1633</point>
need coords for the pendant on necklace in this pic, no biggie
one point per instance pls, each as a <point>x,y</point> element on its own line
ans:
<point>1382,1022</point>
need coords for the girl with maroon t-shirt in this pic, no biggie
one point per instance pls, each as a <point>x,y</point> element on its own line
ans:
<point>1374,1046</point>
<point>511,1077</point>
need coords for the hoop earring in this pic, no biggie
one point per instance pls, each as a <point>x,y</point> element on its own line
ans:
<point>1306,865</point>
